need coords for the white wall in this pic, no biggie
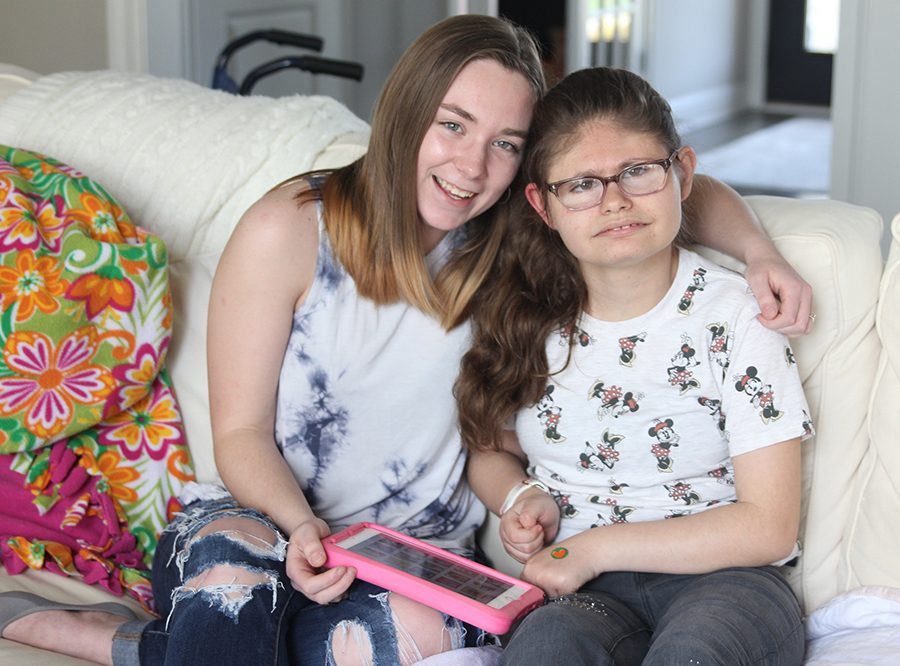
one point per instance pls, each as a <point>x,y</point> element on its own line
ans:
<point>47,36</point>
<point>696,57</point>
<point>697,44</point>
<point>384,28</point>
<point>865,106</point>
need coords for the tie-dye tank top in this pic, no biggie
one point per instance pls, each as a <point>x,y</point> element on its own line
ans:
<point>365,412</point>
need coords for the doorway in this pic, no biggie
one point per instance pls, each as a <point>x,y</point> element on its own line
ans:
<point>547,22</point>
<point>800,54</point>
<point>782,144</point>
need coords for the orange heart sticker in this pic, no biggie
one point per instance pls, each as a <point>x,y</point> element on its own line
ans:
<point>558,553</point>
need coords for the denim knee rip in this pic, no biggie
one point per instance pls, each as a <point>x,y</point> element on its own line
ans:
<point>359,632</point>
<point>231,597</point>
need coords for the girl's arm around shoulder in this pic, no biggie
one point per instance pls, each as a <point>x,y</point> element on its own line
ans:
<point>725,222</point>
<point>758,529</point>
<point>265,271</point>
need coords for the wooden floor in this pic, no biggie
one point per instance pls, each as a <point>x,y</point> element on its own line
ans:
<point>713,136</point>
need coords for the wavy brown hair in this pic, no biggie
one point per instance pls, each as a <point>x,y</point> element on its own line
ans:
<point>370,205</point>
<point>536,287</point>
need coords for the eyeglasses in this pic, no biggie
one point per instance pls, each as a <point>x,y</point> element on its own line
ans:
<point>583,192</point>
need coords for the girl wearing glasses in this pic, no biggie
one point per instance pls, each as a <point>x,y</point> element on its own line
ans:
<point>651,481</point>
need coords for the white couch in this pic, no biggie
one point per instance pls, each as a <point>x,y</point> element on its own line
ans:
<point>185,162</point>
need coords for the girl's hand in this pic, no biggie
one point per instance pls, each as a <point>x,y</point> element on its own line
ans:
<point>561,568</point>
<point>529,524</point>
<point>306,556</point>
<point>785,298</point>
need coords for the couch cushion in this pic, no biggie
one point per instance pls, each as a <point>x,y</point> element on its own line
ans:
<point>836,247</point>
<point>191,280</point>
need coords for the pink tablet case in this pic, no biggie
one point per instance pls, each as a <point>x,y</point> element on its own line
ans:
<point>494,620</point>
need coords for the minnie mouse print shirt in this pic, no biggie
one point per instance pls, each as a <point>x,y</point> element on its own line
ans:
<point>644,421</point>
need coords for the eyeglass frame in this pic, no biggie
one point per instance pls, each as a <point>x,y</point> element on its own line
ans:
<point>666,163</point>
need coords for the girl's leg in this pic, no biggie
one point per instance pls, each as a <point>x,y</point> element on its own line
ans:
<point>734,616</point>
<point>221,588</point>
<point>84,635</point>
<point>371,625</point>
<point>584,628</point>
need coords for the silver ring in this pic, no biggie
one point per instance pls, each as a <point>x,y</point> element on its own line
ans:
<point>812,317</point>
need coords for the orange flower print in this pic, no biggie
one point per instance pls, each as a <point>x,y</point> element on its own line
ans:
<point>107,466</point>
<point>34,553</point>
<point>135,380</point>
<point>50,381</point>
<point>32,283</point>
<point>52,169</point>
<point>6,186</point>
<point>105,288</point>
<point>179,465</point>
<point>151,425</point>
<point>50,222</point>
<point>117,477</point>
<point>167,304</point>
<point>30,553</point>
<point>26,223</point>
<point>102,219</point>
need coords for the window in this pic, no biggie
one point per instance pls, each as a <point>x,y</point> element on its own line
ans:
<point>821,30</point>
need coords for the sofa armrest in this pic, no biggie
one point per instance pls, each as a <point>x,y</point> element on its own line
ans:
<point>836,247</point>
<point>873,533</point>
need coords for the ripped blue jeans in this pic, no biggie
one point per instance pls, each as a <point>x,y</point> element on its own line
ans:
<point>238,606</point>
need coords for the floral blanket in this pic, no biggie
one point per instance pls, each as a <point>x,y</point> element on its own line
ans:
<point>92,447</point>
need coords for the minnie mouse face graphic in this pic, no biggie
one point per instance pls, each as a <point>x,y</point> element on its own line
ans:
<point>762,395</point>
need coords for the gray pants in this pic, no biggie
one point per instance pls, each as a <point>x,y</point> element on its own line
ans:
<point>730,617</point>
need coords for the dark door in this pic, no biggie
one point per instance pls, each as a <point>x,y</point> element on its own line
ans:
<point>793,74</point>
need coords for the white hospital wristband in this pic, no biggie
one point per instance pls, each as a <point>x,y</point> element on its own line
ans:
<point>518,489</point>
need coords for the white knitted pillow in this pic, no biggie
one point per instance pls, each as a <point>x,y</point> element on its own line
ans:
<point>183,160</point>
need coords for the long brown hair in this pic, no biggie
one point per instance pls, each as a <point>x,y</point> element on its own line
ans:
<point>370,206</point>
<point>536,286</point>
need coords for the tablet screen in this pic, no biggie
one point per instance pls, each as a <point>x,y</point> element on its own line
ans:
<point>435,569</point>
